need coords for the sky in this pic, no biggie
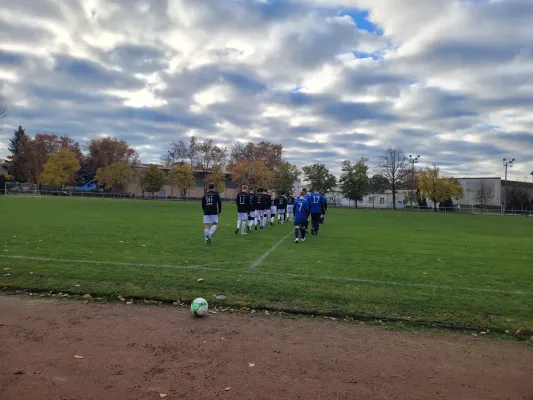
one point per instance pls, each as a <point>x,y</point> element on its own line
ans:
<point>329,79</point>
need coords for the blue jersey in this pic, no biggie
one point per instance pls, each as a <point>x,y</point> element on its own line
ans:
<point>317,203</point>
<point>309,201</point>
<point>300,210</point>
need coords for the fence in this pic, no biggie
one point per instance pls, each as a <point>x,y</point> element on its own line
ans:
<point>474,210</point>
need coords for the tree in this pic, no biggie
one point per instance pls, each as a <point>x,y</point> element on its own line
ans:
<point>182,177</point>
<point>152,180</point>
<point>107,151</point>
<point>354,181</point>
<point>34,153</point>
<point>285,177</point>
<point>3,106</point>
<point>319,177</point>
<point>210,155</point>
<point>61,168</point>
<point>438,189</point>
<point>378,185</point>
<point>19,137</point>
<point>254,174</point>
<point>393,165</point>
<point>484,193</point>
<point>16,163</point>
<point>216,177</point>
<point>115,176</point>
<point>268,153</point>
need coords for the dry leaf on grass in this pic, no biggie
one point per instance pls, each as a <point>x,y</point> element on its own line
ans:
<point>162,395</point>
<point>86,296</point>
<point>129,303</point>
<point>425,273</point>
<point>77,357</point>
<point>200,280</point>
<point>228,389</point>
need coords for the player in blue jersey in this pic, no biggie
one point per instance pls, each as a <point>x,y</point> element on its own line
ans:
<point>301,208</point>
<point>317,210</point>
<point>325,209</point>
<point>307,197</point>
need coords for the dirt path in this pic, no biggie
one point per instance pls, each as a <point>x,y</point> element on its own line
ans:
<point>134,352</point>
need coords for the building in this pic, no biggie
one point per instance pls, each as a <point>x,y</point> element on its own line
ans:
<point>196,191</point>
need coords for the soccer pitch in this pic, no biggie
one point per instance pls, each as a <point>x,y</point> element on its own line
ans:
<point>474,271</point>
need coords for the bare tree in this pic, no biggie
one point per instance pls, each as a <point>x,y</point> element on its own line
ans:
<point>393,165</point>
<point>182,151</point>
<point>210,154</point>
<point>3,106</point>
<point>484,193</point>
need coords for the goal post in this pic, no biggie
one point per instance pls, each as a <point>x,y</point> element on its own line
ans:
<point>22,189</point>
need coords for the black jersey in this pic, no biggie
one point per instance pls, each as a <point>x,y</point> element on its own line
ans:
<point>211,203</point>
<point>260,201</point>
<point>290,200</point>
<point>243,202</point>
<point>252,202</point>
<point>268,201</point>
<point>282,202</point>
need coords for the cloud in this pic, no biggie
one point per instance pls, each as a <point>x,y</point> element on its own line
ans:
<point>329,79</point>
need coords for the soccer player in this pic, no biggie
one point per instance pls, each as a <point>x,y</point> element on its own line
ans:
<point>301,207</point>
<point>282,207</point>
<point>260,201</point>
<point>273,209</point>
<point>212,206</point>
<point>252,215</point>
<point>309,201</point>
<point>243,207</point>
<point>290,207</point>
<point>325,209</point>
<point>317,210</point>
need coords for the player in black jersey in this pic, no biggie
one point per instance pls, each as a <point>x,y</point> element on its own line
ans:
<point>281,203</point>
<point>243,208</point>
<point>290,207</point>
<point>212,206</point>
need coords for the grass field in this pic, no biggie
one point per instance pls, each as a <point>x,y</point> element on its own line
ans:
<point>473,271</point>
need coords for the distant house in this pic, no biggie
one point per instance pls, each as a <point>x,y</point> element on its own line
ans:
<point>196,191</point>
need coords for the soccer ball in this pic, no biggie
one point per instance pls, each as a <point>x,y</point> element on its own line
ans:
<point>199,307</point>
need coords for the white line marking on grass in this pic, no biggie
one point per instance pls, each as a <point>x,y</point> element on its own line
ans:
<point>121,264</point>
<point>267,253</point>
<point>251,271</point>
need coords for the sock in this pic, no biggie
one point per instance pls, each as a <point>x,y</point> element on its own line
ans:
<point>206,233</point>
<point>243,227</point>
<point>212,230</point>
<point>250,223</point>
<point>296,233</point>
<point>271,220</point>
<point>238,224</point>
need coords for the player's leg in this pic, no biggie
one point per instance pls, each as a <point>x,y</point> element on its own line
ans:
<point>243,217</point>
<point>296,232</point>
<point>251,219</point>
<point>303,229</point>
<point>214,223</point>
<point>238,224</point>
<point>206,232</point>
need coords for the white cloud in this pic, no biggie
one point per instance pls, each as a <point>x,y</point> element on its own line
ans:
<point>449,79</point>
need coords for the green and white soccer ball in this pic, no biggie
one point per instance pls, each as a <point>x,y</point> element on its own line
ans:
<point>199,307</point>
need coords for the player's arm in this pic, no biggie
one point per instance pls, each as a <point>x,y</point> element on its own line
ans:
<point>203,203</point>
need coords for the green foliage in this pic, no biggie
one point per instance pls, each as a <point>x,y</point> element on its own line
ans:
<point>354,181</point>
<point>61,168</point>
<point>218,178</point>
<point>115,176</point>
<point>319,177</point>
<point>285,177</point>
<point>182,178</point>
<point>152,180</point>
<point>19,137</point>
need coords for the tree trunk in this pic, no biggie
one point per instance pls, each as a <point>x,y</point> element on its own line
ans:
<point>435,205</point>
<point>394,195</point>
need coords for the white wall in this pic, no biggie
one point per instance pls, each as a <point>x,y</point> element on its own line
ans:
<point>470,186</point>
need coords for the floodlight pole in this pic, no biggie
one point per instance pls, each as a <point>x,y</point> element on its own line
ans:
<point>413,161</point>
<point>506,163</point>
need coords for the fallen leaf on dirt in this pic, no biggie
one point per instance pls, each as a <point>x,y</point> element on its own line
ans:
<point>175,303</point>
<point>18,372</point>
<point>243,309</point>
<point>5,288</point>
<point>129,303</point>
<point>483,333</point>
<point>228,389</point>
<point>204,342</point>
<point>251,365</point>
<point>121,298</point>
<point>76,357</point>
<point>362,322</point>
<point>200,280</point>
<point>473,334</point>
<point>221,338</point>
<point>266,312</point>
<point>86,296</point>
<point>86,301</point>
<point>212,312</point>
<point>518,331</point>
<point>162,395</point>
